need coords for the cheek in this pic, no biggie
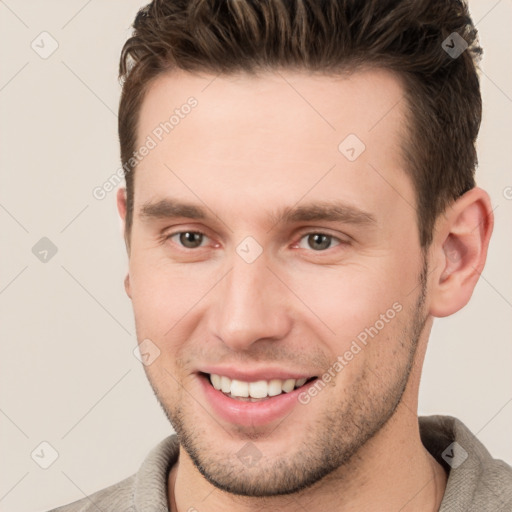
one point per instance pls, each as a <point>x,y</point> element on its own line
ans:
<point>348,299</point>
<point>359,313</point>
<point>164,294</point>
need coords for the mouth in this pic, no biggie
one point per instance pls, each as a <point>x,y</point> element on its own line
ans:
<point>257,391</point>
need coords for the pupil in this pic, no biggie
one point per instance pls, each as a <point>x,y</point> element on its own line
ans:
<point>187,239</point>
<point>317,239</point>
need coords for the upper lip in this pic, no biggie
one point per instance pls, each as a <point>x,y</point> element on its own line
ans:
<point>253,375</point>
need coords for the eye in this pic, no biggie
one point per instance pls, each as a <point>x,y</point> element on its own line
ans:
<point>319,241</point>
<point>188,239</point>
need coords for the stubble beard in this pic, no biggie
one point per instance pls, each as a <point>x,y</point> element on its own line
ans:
<point>328,443</point>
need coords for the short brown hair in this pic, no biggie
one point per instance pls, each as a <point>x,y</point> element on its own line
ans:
<point>328,36</point>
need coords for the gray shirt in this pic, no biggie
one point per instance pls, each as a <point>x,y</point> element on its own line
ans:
<point>476,481</point>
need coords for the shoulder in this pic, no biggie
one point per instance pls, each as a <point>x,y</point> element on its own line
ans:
<point>144,490</point>
<point>476,480</point>
<point>113,498</point>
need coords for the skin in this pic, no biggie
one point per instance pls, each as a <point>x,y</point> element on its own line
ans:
<point>250,147</point>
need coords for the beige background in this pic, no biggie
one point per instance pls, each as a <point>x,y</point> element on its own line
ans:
<point>68,373</point>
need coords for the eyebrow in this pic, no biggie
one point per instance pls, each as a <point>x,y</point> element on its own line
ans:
<point>318,211</point>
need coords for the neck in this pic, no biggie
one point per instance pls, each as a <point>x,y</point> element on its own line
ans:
<point>393,471</point>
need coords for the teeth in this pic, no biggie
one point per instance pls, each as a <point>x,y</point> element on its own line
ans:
<point>288,385</point>
<point>225,384</point>
<point>216,381</point>
<point>258,389</point>
<point>274,387</point>
<point>240,388</point>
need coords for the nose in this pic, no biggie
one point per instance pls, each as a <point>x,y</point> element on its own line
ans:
<point>251,305</point>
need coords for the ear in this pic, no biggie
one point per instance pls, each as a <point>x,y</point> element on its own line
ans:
<point>459,251</point>
<point>121,208</point>
<point>127,287</point>
<point>121,204</point>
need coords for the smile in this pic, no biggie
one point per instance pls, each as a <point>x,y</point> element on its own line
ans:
<point>255,391</point>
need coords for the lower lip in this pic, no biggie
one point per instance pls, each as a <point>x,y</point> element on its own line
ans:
<point>251,414</point>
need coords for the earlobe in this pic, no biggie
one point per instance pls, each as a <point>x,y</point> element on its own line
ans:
<point>459,250</point>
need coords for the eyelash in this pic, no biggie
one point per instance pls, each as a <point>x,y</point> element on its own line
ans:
<point>303,235</point>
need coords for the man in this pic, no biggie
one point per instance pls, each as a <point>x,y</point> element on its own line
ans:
<point>300,205</point>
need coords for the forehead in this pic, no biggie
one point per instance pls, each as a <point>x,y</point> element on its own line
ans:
<point>275,132</point>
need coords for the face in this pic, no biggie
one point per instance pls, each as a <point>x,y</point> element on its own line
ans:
<point>267,245</point>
